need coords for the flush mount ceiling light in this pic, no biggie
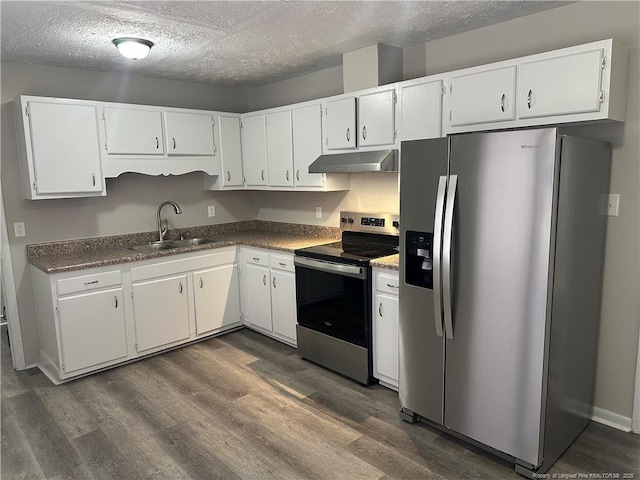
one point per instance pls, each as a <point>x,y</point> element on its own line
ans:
<point>133,48</point>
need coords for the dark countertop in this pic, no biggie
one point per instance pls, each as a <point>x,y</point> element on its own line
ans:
<point>57,257</point>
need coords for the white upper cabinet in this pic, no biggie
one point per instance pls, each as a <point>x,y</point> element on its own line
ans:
<point>376,119</point>
<point>364,120</point>
<point>131,131</point>
<point>307,144</point>
<point>483,97</point>
<point>189,133</point>
<point>230,151</point>
<point>279,148</point>
<point>254,149</point>
<point>562,85</point>
<point>341,124</point>
<point>420,109</point>
<point>58,148</point>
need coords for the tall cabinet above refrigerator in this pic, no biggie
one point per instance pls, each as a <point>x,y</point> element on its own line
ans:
<point>501,259</point>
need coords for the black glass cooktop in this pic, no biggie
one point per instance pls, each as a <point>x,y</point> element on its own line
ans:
<point>354,248</point>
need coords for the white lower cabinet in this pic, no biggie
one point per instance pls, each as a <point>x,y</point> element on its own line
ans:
<point>160,312</point>
<point>217,298</point>
<point>269,293</point>
<point>385,327</point>
<point>92,319</point>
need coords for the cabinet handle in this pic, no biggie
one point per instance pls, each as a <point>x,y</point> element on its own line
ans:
<point>201,282</point>
<point>503,102</point>
<point>282,264</point>
<point>392,286</point>
<point>256,259</point>
<point>228,176</point>
<point>298,174</point>
<point>529,97</point>
<point>264,279</point>
<point>287,175</point>
<point>95,282</point>
<point>364,132</point>
<point>262,174</point>
<point>93,178</point>
<point>157,143</point>
<point>274,282</point>
<point>348,135</point>
<point>180,289</point>
<point>116,301</point>
<point>380,310</point>
<point>174,142</point>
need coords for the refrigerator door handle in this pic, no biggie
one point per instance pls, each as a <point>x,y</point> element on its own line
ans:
<point>446,255</point>
<point>437,252</point>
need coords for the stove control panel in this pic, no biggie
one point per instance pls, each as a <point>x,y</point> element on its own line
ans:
<point>384,223</point>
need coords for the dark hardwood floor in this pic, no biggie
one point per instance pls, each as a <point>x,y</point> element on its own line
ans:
<point>244,406</point>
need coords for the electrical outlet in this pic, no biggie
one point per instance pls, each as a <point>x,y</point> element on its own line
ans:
<point>610,204</point>
<point>318,212</point>
<point>19,229</point>
<point>211,210</point>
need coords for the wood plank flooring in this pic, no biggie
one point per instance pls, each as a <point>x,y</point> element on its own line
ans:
<point>243,406</point>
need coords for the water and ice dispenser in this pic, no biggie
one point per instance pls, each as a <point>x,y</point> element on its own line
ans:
<point>419,259</point>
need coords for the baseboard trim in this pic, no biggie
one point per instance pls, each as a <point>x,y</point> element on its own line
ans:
<point>611,419</point>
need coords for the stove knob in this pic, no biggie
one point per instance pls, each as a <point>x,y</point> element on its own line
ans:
<point>396,224</point>
<point>350,220</point>
<point>343,219</point>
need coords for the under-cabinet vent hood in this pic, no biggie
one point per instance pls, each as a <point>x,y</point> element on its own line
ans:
<point>356,162</point>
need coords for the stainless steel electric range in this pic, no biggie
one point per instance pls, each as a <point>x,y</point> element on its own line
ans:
<point>333,294</point>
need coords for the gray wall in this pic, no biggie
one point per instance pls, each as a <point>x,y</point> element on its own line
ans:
<point>132,199</point>
<point>561,27</point>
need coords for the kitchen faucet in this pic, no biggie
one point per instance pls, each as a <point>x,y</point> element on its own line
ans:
<point>162,230</point>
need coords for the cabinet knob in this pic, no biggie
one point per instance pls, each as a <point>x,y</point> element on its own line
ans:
<point>529,98</point>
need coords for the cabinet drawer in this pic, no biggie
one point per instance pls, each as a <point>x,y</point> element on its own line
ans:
<point>89,282</point>
<point>256,257</point>
<point>387,283</point>
<point>282,262</point>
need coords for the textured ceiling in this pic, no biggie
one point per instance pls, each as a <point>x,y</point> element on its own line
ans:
<point>233,42</point>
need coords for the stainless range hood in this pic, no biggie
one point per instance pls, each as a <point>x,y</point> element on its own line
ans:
<point>356,162</point>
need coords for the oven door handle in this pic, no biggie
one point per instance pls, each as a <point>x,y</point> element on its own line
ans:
<point>331,267</point>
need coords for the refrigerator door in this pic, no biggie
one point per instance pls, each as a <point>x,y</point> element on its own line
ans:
<point>422,171</point>
<point>501,249</point>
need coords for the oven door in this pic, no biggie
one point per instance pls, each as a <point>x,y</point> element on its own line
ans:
<point>334,299</point>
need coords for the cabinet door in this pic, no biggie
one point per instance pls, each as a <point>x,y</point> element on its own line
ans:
<point>258,296</point>
<point>421,111</point>
<point>254,148</point>
<point>561,86</point>
<point>92,329</point>
<point>230,151</point>
<point>341,124</point>
<point>65,147</point>
<point>307,144</point>
<point>217,298</point>
<point>483,97</point>
<point>189,134</point>
<point>386,338</point>
<point>376,119</point>
<point>279,149</point>
<point>283,304</point>
<point>161,312</point>
<point>133,132</point>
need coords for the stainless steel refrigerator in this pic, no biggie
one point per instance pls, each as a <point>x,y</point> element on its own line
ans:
<point>501,259</point>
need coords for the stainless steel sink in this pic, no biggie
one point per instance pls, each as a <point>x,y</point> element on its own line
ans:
<point>169,245</point>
